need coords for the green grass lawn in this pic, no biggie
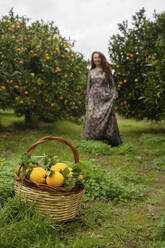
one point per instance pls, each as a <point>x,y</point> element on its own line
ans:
<point>124,203</point>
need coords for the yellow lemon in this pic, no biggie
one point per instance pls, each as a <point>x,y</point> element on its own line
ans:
<point>80,176</point>
<point>71,173</point>
<point>38,175</point>
<point>58,167</point>
<point>55,180</point>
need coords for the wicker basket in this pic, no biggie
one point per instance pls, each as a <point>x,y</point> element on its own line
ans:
<point>60,204</point>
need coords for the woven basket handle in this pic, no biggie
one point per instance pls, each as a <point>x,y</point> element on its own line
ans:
<point>45,139</point>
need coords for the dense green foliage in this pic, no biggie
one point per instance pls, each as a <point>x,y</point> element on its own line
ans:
<point>138,59</point>
<point>40,74</point>
<point>102,184</point>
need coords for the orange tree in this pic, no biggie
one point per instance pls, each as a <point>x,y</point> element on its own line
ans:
<point>155,77</point>
<point>133,53</point>
<point>40,74</point>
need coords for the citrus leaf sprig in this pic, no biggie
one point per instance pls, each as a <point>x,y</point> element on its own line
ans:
<point>47,161</point>
<point>70,182</point>
<point>28,161</point>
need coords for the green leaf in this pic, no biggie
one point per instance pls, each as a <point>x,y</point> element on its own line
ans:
<point>69,183</point>
<point>27,176</point>
<point>54,159</point>
<point>26,158</point>
<point>50,172</point>
<point>65,172</point>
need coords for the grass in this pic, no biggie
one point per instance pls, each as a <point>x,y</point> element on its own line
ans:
<point>125,187</point>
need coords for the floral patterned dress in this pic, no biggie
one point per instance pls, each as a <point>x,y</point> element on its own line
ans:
<point>100,121</point>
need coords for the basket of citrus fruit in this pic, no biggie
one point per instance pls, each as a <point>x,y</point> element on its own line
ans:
<point>56,187</point>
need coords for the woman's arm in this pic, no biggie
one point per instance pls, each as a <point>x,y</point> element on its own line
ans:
<point>113,88</point>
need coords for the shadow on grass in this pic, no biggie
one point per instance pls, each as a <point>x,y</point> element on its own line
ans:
<point>19,126</point>
<point>10,122</point>
<point>156,130</point>
<point>130,127</point>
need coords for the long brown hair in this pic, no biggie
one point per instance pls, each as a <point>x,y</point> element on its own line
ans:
<point>104,63</point>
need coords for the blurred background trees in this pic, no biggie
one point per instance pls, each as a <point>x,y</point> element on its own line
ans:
<point>138,57</point>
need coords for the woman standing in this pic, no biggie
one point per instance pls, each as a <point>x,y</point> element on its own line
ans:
<point>100,120</point>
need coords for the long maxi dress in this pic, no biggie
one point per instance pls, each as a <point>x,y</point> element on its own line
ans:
<point>100,121</point>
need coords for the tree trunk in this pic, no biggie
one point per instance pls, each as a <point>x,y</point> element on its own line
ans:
<point>28,118</point>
